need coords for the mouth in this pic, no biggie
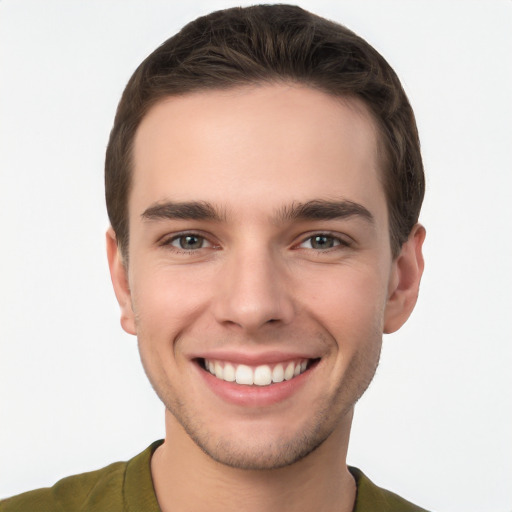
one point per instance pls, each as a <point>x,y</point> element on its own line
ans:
<point>260,375</point>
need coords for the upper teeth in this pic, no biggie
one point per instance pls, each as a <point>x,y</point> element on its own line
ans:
<point>262,375</point>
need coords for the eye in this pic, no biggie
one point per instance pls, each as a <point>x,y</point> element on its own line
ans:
<point>189,242</point>
<point>322,242</point>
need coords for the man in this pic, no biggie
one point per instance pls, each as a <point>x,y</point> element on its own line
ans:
<point>263,183</point>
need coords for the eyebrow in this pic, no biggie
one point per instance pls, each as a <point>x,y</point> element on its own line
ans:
<point>320,209</point>
<point>317,209</point>
<point>191,210</point>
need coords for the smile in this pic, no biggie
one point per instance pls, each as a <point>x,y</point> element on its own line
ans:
<point>262,375</point>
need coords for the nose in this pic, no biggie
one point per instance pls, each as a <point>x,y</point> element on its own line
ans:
<point>254,291</point>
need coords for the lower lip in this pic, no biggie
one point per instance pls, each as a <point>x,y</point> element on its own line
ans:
<point>255,396</point>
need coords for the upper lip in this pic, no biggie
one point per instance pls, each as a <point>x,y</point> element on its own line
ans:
<point>253,359</point>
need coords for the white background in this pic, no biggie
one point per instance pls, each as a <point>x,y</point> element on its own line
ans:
<point>436,423</point>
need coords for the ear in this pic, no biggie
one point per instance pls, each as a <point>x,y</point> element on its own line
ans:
<point>405,280</point>
<point>119,276</point>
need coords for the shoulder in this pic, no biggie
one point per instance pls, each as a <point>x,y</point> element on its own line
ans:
<point>119,486</point>
<point>86,491</point>
<point>371,498</point>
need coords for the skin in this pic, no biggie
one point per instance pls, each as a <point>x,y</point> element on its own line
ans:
<point>257,283</point>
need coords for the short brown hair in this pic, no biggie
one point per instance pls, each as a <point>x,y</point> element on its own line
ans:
<point>269,44</point>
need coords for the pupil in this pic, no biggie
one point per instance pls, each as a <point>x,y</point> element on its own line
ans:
<point>322,242</point>
<point>190,242</point>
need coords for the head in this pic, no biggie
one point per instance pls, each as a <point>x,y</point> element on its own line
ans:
<point>269,44</point>
<point>263,183</point>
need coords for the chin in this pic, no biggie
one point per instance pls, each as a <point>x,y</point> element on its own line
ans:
<point>256,454</point>
<point>264,443</point>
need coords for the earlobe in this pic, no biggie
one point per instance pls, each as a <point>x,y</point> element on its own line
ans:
<point>405,281</point>
<point>118,274</point>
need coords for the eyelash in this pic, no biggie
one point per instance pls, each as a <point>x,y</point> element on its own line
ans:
<point>167,242</point>
<point>338,242</point>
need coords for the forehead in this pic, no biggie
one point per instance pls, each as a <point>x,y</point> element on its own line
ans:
<point>239,146</point>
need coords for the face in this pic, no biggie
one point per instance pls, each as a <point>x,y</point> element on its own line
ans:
<point>260,275</point>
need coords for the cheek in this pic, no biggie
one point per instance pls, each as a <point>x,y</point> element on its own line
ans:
<point>167,300</point>
<point>350,304</point>
<point>166,304</point>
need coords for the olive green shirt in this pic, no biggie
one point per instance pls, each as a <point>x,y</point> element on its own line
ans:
<point>127,486</point>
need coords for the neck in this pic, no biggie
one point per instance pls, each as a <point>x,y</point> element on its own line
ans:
<point>186,479</point>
